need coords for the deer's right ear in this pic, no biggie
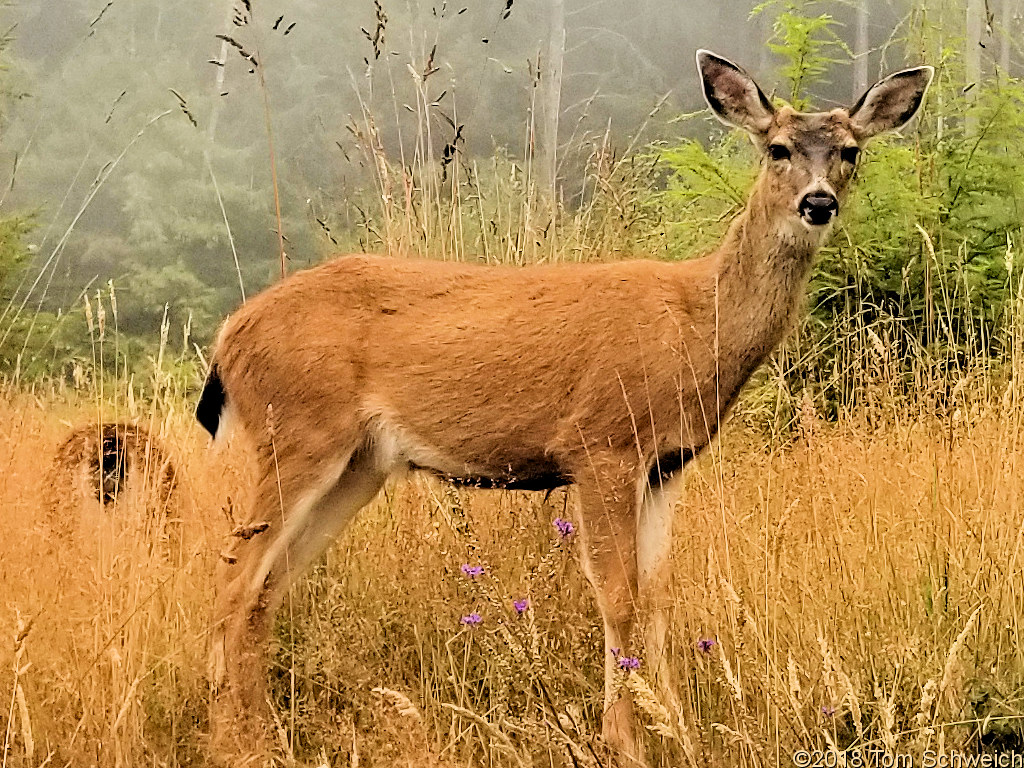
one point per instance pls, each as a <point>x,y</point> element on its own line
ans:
<point>733,95</point>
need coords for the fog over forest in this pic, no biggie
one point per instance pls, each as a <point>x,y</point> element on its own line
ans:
<point>88,81</point>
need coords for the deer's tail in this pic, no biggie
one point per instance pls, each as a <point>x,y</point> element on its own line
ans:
<point>213,403</point>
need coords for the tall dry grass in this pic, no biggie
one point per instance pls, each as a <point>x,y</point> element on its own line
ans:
<point>856,588</point>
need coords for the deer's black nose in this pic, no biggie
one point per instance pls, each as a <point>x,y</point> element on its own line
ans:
<point>818,208</point>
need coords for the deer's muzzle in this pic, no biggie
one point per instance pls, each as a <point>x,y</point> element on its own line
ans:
<point>818,208</point>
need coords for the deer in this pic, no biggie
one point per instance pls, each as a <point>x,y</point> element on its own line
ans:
<point>102,462</point>
<point>607,378</point>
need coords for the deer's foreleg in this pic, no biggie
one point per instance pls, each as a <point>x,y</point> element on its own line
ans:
<point>608,515</point>
<point>654,549</point>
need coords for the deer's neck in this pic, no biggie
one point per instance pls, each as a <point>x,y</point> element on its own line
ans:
<point>762,267</point>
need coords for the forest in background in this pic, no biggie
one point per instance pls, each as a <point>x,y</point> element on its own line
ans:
<point>141,146</point>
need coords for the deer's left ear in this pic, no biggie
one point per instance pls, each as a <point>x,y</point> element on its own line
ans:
<point>890,103</point>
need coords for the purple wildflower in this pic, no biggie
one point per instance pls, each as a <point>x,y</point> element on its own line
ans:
<point>472,571</point>
<point>521,605</point>
<point>705,644</point>
<point>471,620</point>
<point>828,711</point>
<point>628,663</point>
<point>564,527</point>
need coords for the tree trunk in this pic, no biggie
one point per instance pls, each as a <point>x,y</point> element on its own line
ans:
<point>1005,35</point>
<point>211,128</point>
<point>551,96</point>
<point>862,46</point>
<point>764,32</point>
<point>972,56</point>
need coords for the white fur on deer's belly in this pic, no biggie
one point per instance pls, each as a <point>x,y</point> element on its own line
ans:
<point>395,449</point>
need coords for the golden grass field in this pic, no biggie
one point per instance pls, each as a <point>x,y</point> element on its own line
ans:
<point>864,589</point>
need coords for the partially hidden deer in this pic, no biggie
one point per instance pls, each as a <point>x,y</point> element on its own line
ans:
<point>605,377</point>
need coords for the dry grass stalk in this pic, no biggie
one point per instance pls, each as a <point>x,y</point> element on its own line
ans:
<point>948,692</point>
<point>403,704</point>
<point>18,695</point>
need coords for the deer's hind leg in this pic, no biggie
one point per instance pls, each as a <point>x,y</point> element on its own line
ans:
<point>296,515</point>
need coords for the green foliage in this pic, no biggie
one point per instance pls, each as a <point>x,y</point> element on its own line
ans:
<point>18,328</point>
<point>704,189</point>
<point>13,253</point>
<point>808,45</point>
<point>43,345</point>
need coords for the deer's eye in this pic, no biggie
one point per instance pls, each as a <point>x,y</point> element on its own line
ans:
<point>778,152</point>
<point>849,154</point>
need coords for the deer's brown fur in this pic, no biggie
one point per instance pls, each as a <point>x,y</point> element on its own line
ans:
<point>608,377</point>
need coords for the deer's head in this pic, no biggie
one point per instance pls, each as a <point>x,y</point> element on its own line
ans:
<point>809,157</point>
